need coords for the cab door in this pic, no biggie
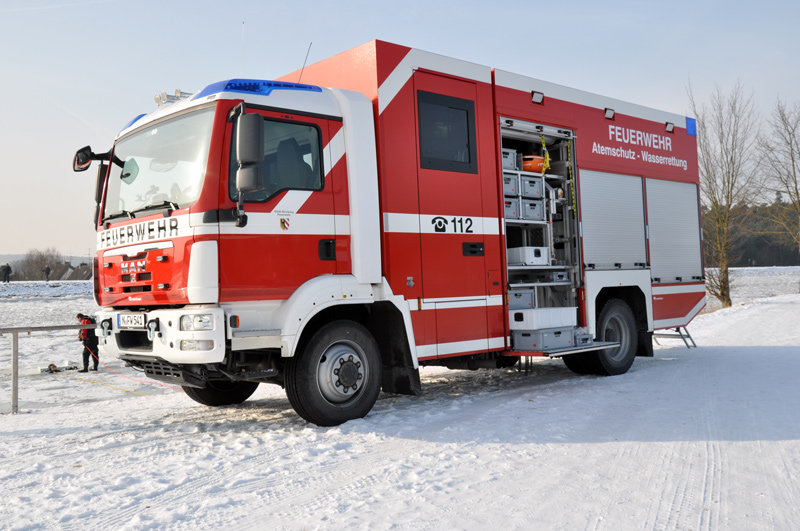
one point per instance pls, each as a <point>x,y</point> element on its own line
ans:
<point>290,235</point>
<point>450,205</point>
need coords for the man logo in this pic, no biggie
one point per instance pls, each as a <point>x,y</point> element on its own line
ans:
<point>285,223</point>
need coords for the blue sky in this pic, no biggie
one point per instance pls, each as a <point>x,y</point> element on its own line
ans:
<point>75,72</point>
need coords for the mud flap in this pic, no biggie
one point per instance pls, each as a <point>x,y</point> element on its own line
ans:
<point>645,346</point>
<point>401,380</point>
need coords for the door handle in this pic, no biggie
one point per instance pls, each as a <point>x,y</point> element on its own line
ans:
<point>327,249</point>
<point>472,248</point>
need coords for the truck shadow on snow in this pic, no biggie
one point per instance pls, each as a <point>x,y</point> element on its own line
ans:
<point>709,393</point>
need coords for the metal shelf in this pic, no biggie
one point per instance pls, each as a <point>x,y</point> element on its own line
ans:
<point>537,284</point>
<point>542,267</point>
<point>517,221</point>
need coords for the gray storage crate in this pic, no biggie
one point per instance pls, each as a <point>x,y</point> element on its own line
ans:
<point>511,208</point>
<point>522,299</point>
<point>510,184</point>
<point>509,159</point>
<point>532,209</point>
<point>532,187</point>
<point>539,340</point>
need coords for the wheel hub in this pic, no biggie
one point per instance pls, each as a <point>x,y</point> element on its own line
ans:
<point>349,373</point>
<point>341,372</point>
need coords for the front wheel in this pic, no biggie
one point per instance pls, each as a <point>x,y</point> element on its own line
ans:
<point>337,376</point>
<point>221,392</point>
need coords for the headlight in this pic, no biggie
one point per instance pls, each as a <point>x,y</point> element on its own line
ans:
<point>195,345</point>
<point>197,322</point>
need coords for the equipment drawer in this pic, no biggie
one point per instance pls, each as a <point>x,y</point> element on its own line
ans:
<point>538,340</point>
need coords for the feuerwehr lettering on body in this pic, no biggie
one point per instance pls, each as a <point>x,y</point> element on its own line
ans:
<point>139,232</point>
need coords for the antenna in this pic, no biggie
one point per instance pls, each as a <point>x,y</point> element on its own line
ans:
<point>242,48</point>
<point>304,62</point>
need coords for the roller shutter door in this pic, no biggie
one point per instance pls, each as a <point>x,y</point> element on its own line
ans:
<point>612,215</point>
<point>674,223</point>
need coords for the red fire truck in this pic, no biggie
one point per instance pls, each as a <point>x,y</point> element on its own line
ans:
<point>425,211</point>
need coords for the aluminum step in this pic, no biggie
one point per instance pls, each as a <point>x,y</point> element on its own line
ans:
<point>598,345</point>
<point>558,352</point>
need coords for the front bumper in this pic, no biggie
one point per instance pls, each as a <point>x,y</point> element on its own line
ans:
<point>162,336</point>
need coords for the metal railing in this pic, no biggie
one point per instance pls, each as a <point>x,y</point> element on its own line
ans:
<point>15,332</point>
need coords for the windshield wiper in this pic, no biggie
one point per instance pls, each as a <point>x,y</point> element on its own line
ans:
<point>119,214</point>
<point>171,205</point>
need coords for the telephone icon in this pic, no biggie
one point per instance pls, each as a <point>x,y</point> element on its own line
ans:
<point>439,224</point>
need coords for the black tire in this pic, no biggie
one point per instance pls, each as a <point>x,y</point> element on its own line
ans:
<point>222,393</point>
<point>337,375</point>
<point>585,363</point>
<point>615,323</point>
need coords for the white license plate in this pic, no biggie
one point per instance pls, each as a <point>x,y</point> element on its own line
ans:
<point>131,320</point>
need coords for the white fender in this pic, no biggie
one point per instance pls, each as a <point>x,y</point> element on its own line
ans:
<point>319,293</point>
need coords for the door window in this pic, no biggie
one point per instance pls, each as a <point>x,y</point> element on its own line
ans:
<point>291,160</point>
<point>446,133</point>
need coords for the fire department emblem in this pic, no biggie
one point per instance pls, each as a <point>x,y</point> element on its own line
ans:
<point>285,223</point>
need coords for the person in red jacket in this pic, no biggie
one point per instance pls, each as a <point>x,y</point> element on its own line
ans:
<point>88,337</point>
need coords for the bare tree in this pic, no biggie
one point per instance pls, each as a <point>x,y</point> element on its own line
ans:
<point>781,147</point>
<point>30,267</point>
<point>727,129</point>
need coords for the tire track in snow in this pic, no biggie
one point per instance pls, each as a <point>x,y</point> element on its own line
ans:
<point>679,461</point>
<point>253,477</point>
<point>326,477</point>
<point>661,509</point>
<point>711,503</point>
<point>294,448</point>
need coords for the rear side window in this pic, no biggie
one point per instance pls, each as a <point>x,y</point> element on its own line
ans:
<point>446,133</point>
<point>291,160</point>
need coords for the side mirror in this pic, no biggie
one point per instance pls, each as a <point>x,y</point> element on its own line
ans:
<point>249,153</point>
<point>248,179</point>
<point>83,159</point>
<point>249,139</point>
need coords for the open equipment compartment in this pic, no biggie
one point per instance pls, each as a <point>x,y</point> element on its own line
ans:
<point>541,227</point>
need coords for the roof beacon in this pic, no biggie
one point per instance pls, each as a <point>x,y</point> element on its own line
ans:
<point>163,98</point>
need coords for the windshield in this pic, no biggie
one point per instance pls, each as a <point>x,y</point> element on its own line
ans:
<point>163,164</point>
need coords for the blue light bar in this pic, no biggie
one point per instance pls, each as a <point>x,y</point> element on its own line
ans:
<point>133,122</point>
<point>691,127</point>
<point>253,86</point>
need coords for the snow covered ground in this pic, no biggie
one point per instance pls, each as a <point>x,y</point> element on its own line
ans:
<point>750,283</point>
<point>706,438</point>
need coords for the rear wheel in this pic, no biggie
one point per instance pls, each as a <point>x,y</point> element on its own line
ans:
<point>585,363</point>
<point>221,393</point>
<point>616,323</point>
<point>337,376</point>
